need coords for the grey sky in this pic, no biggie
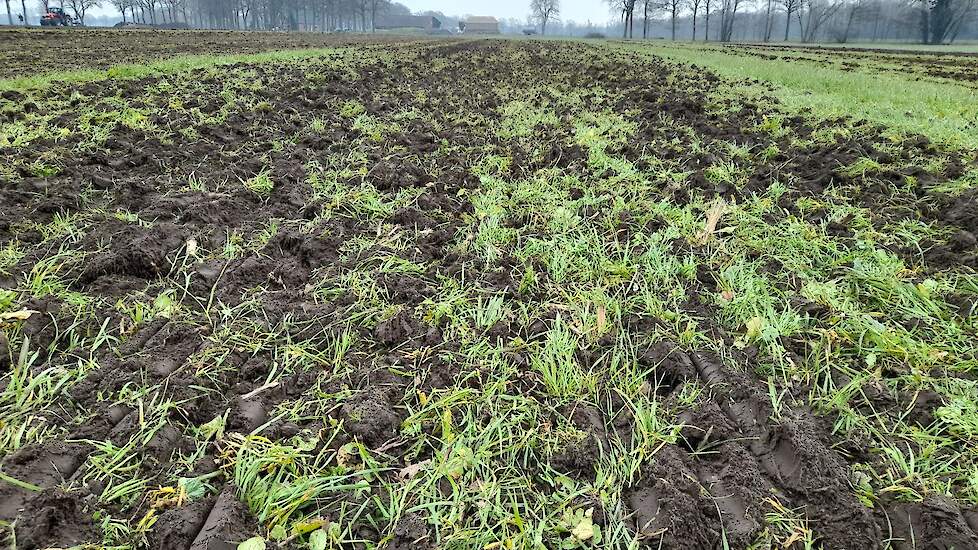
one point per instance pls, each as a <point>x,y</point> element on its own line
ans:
<point>579,10</point>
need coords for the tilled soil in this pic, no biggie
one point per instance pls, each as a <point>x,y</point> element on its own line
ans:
<point>959,67</point>
<point>861,50</point>
<point>36,51</point>
<point>377,160</point>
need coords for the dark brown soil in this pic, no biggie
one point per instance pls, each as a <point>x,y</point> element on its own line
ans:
<point>959,67</point>
<point>684,497</point>
<point>35,51</point>
<point>858,49</point>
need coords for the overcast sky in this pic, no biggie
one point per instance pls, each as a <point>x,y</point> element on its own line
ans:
<point>579,10</point>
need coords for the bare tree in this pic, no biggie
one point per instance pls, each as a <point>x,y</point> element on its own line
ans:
<point>177,10</point>
<point>626,16</point>
<point>169,9</point>
<point>728,14</point>
<point>852,11</point>
<point>149,6</point>
<point>249,13</point>
<point>545,11</point>
<point>322,15</point>
<point>967,12</point>
<point>646,4</point>
<point>768,21</point>
<point>673,7</point>
<point>736,19</point>
<point>812,15</point>
<point>707,5</point>
<point>941,20</point>
<point>81,7</point>
<point>627,10</point>
<point>790,7</point>
<point>379,6</point>
<point>122,6</point>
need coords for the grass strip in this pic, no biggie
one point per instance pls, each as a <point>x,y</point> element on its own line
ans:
<point>944,112</point>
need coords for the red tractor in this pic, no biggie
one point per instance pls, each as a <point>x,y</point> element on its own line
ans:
<point>55,17</point>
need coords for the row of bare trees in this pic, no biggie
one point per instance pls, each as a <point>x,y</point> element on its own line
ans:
<point>926,21</point>
<point>78,8</point>
<point>697,11</point>
<point>318,15</point>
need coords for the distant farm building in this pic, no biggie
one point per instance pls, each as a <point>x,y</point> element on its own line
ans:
<point>480,25</point>
<point>407,22</point>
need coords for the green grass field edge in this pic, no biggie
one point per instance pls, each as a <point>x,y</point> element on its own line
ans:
<point>170,65</point>
<point>944,112</point>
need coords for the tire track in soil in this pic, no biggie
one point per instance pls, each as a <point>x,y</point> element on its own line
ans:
<point>203,533</point>
<point>797,467</point>
<point>225,515</point>
<point>120,420</point>
<point>732,453</point>
<point>118,423</point>
<point>51,463</point>
<point>796,464</point>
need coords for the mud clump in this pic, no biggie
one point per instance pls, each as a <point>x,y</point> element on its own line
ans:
<point>934,524</point>
<point>411,533</point>
<point>372,417</point>
<point>405,328</point>
<point>178,527</point>
<point>226,525</point>
<point>56,519</point>
<point>247,415</point>
<point>143,253</point>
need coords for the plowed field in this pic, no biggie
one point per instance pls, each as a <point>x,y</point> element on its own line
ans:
<point>479,294</point>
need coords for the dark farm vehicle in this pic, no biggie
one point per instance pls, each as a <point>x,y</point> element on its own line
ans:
<point>55,17</point>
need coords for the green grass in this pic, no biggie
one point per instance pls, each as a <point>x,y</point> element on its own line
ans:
<point>945,112</point>
<point>962,47</point>
<point>174,65</point>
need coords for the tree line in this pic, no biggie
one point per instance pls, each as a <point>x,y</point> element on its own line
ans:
<point>923,21</point>
<point>308,15</point>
